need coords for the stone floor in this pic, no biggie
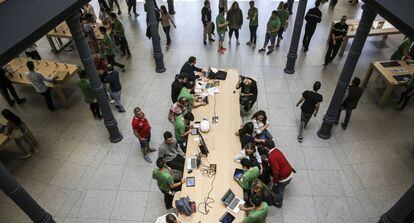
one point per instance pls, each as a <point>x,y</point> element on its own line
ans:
<point>356,175</point>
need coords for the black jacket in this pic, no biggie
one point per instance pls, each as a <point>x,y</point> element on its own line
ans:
<point>205,15</point>
<point>313,17</point>
<point>354,94</point>
<point>175,90</point>
<point>4,81</point>
<point>189,71</point>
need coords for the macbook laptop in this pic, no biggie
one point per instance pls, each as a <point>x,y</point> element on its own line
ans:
<point>231,201</point>
<point>194,162</point>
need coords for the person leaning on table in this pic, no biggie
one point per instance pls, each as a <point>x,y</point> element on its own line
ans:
<point>6,86</point>
<point>166,183</point>
<point>38,82</point>
<point>403,50</point>
<point>257,213</point>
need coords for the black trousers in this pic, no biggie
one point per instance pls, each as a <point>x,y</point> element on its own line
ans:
<point>167,34</point>
<point>333,3</point>
<point>177,163</point>
<point>290,2</point>
<point>124,45</point>
<point>168,198</point>
<point>247,102</point>
<point>111,60</point>
<point>95,109</point>
<point>404,98</point>
<point>348,113</point>
<point>132,6</point>
<point>236,32</point>
<point>332,50</point>
<point>111,5</point>
<point>253,34</point>
<point>309,30</point>
<point>6,88</point>
<point>48,99</point>
<point>34,55</point>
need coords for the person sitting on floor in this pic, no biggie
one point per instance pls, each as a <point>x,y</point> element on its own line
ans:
<point>248,92</point>
<point>168,218</point>
<point>173,155</point>
<point>261,125</point>
<point>250,174</point>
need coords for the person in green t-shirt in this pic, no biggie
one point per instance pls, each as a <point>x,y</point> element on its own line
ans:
<point>119,33</point>
<point>273,26</point>
<point>251,173</point>
<point>402,50</point>
<point>89,95</point>
<point>165,182</point>
<point>257,213</point>
<point>283,14</point>
<point>182,129</point>
<point>221,30</point>
<point>109,48</point>
<point>253,16</point>
<point>192,100</point>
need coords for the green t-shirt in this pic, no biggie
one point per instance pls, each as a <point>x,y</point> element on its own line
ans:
<point>118,28</point>
<point>283,15</point>
<point>258,215</point>
<point>220,20</point>
<point>248,177</point>
<point>405,46</point>
<point>185,92</point>
<point>179,128</point>
<point>273,24</point>
<point>108,45</point>
<point>86,89</point>
<point>164,180</point>
<point>254,20</point>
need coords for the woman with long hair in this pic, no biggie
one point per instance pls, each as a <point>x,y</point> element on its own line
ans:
<point>261,125</point>
<point>16,130</point>
<point>235,19</point>
<point>165,18</point>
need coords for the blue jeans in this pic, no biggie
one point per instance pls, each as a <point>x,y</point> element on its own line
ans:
<point>117,97</point>
<point>278,189</point>
<point>265,135</point>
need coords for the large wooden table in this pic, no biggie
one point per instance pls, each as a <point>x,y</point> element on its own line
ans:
<point>62,31</point>
<point>17,69</point>
<point>3,138</point>
<point>379,28</point>
<point>388,73</point>
<point>223,144</point>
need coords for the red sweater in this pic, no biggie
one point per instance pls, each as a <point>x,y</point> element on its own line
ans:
<point>281,168</point>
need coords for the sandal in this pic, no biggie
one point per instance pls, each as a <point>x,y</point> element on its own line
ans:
<point>146,158</point>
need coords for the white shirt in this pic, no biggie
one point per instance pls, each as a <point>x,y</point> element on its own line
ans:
<point>38,81</point>
<point>161,219</point>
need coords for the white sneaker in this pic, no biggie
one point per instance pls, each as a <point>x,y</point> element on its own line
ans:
<point>238,42</point>
<point>112,101</point>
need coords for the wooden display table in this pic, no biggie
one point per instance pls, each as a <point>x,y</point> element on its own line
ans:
<point>379,28</point>
<point>3,138</point>
<point>62,31</point>
<point>388,74</point>
<point>17,69</point>
<point>223,145</point>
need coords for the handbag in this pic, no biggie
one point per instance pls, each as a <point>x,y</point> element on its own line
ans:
<point>183,206</point>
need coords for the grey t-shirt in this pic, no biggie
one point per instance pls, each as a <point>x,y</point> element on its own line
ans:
<point>169,151</point>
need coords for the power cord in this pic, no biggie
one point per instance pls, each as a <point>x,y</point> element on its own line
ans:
<point>205,206</point>
<point>215,117</point>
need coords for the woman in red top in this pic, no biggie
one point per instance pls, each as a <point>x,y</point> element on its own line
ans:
<point>282,173</point>
<point>142,130</point>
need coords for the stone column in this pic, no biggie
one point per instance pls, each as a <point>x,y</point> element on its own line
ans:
<point>19,195</point>
<point>293,50</point>
<point>97,86</point>
<point>156,44</point>
<point>171,7</point>
<point>400,210</point>
<point>368,16</point>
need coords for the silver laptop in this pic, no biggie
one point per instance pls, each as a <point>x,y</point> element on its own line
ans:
<point>193,162</point>
<point>232,202</point>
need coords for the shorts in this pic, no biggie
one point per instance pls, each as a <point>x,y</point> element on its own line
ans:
<point>145,143</point>
<point>280,32</point>
<point>221,36</point>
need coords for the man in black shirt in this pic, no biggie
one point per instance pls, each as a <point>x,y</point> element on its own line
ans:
<point>6,86</point>
<point>179,82</point>
<point>189,68</point>
<point>338,32</point>
<point>311,101</point>
<point>313,17</point>
<point>115,87</point>
<point>354,93</point>
<point>206,20</point>
<point>248,92</point>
